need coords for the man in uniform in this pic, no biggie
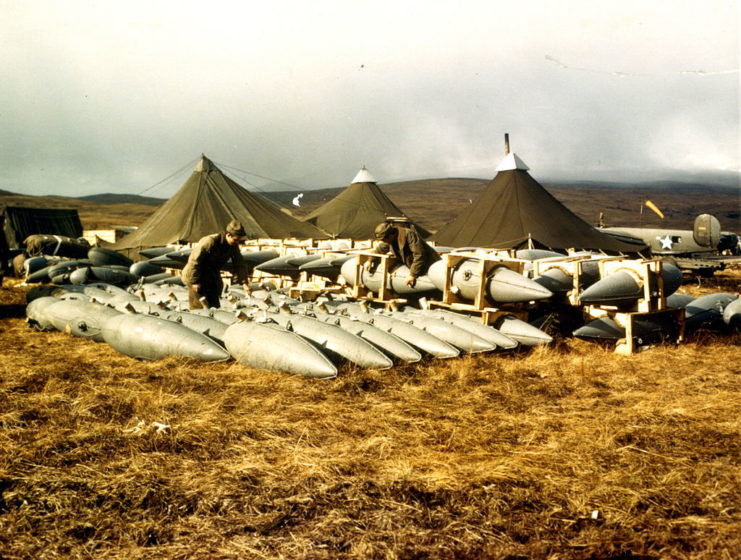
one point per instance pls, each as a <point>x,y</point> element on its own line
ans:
<point>407,246</point>
<point>202,273</point>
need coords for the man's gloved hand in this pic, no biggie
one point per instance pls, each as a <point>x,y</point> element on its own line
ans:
<point>412,281</point>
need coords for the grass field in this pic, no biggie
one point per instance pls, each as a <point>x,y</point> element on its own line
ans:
<point>569,451</point>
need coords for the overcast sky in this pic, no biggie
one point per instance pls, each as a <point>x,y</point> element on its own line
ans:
<point>111,96</point>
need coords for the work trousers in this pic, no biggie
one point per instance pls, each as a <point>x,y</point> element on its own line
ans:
<point>211,295</point>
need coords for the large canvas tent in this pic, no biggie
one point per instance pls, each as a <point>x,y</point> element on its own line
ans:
<point>357,210</point>
<point>20,222</point>
<point>515,210</point>
<point>206,202</point>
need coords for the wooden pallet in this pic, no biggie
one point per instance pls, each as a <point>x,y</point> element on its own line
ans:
<point>388,304</point>
<point>488,315</point>
<point>309,291</point>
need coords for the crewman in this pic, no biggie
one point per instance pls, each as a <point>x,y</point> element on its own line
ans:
<point>202,273</point>
<point>407,246</point>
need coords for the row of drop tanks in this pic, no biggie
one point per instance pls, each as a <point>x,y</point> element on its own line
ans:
<point>719,312</point>
<point>616,291</point>
<point>266,329</point>
<point>568,285</point>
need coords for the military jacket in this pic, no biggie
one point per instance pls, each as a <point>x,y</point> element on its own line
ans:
<point>412,250</point>
<point>209,256</point>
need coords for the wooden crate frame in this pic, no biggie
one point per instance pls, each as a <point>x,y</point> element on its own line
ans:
<point>385,294</point>
<point>627,345</point>
<point>487,263</point>
<point>648,272</point>
<point>359,290</point>
<point>571,265</point>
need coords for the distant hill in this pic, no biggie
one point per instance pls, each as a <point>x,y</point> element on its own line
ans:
<point>112,198</point>
<point>622,203</point>
<point>652,185</point>
<point>435,202</point>
<point>92,214</point>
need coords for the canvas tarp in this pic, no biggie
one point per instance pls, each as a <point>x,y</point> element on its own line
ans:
<point>21,222</point>
<point>357,210</point>
<point>515,209</point>
<point>206,202</point>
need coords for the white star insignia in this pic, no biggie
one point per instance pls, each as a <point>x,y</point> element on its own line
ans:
<point>666,242</point>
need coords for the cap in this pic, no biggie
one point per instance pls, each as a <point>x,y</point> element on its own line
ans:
<point>236,229</point>
<point>382,229</point>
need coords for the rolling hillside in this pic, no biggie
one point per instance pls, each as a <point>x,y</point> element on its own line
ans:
<point>92,214</point>
<point>434,202</point>
<point>114,198</point>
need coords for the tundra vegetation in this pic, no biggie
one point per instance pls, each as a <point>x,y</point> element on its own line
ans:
<point>566,451</point>
<point>433,202</point>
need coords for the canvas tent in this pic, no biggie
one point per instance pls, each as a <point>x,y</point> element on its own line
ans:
<point>205,203</point>
<point>357,210</point>
<point>20,222</point>
<point>515,210</point>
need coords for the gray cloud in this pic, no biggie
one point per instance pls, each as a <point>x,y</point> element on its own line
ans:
<point>107,99</point>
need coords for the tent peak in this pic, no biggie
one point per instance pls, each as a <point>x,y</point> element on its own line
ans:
<point>204,164</point>
<point>364,176</point>
<point>512,161</point>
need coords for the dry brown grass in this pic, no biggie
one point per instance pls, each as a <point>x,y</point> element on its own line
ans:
<point>728,280</point>
<point>496,456</point>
